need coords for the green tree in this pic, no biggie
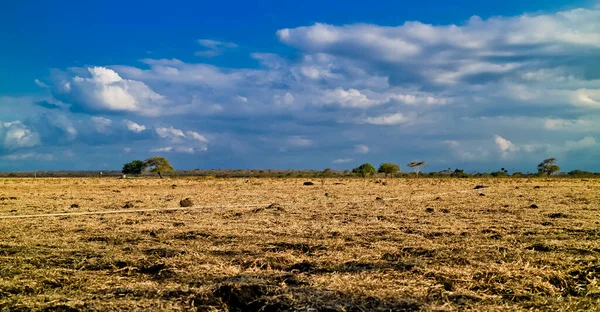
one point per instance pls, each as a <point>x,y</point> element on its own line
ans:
<point>158,165</point>
<point>416,165</point>
<point>388,168</point>
<point>327,173</point>
<point>134,167</point>
<point>548,167</point>
<point>364,170</point>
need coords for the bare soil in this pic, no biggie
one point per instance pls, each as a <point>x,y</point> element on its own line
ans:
<point>279,245</point>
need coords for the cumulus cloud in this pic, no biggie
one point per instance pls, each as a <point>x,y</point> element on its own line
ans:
<point>134,127</point>
<point>187,142</point>
<point>105,91</point>
<point>214,47</point>
<point>386,120</point>
<point>505,146</point>
<point>586,142</point>
<point>448,54</point>
<point>17,135</point>
<point>26,156</point>
<point>101,124</point>
<point>41,84</point>
<point>347,98</point>
<point>361,149</point>
<point>343,160</point>
<point>299,141</point>
<point>161,149</point>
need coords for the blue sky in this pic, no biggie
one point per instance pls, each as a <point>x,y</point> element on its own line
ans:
<point>313,84</point>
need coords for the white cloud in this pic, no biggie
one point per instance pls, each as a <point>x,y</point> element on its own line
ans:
<point>170,133</point>
<point>41,84</point>
<point>187,142</point>
<point>284,100</point>
<point>127,149</point>
<point>584,143</point>
<point>350,98</point>
<point>505,146</point>
<point>196,136</point>
<point>343,160</point>
<point>394,119</point>
<point>25,156</point>
<point>101,124</point>
<point>106,91</point>
<point>299,141</point>
<point>214,47</point>
<point>134,127</point>
<point>448,54</point>
<point>361,149</point>
<point>587,97</point>
<point>17,135</point>
<point>162,149</point>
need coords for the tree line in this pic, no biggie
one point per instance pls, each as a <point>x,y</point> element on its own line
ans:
<point>161,166</point>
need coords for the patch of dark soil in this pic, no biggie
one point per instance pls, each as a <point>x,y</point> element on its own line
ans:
<point>158,270</point>
<point>163,252</point>
<point>463,299</point>
<point>192,235</point>
<point>547,223</point>
<point>558,215</point>
<point>7,250</point>
<point>250,297</point>
<point>488,231</point>
<point>303,267</point>
<point>496,236</point>
<point>263,263</point>
<point>299,247</point>
<point>434,235</point>
<point>418,252</point>
<point>274,206</point>
<point>60,308</point>
<point>128,205</point>
<point>429,210</point>
<point>585,232</point>
<point>541,247</point>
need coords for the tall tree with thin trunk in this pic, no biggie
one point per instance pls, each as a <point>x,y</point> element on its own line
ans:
<point>416,165</point>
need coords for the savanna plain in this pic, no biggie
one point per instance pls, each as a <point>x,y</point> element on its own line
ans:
<point>415,244</point>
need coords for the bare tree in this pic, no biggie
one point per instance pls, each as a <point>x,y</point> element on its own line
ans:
<point>416,166</point>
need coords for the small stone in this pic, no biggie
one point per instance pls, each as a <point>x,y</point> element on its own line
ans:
<point>128,205</point>
<point>308,183</point>
<point>534,206</point>
<point>74,206</point>
<point>186,203</point>
<point>429,210</point>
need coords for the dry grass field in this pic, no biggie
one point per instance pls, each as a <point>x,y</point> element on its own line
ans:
<point>347,245</point>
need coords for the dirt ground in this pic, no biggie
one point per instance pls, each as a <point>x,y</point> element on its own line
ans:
<point>277,245</point>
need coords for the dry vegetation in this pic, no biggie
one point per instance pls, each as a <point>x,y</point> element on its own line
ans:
<point>441,245</point>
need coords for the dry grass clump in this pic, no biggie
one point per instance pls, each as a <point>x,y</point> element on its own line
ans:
<point>351,245</point>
